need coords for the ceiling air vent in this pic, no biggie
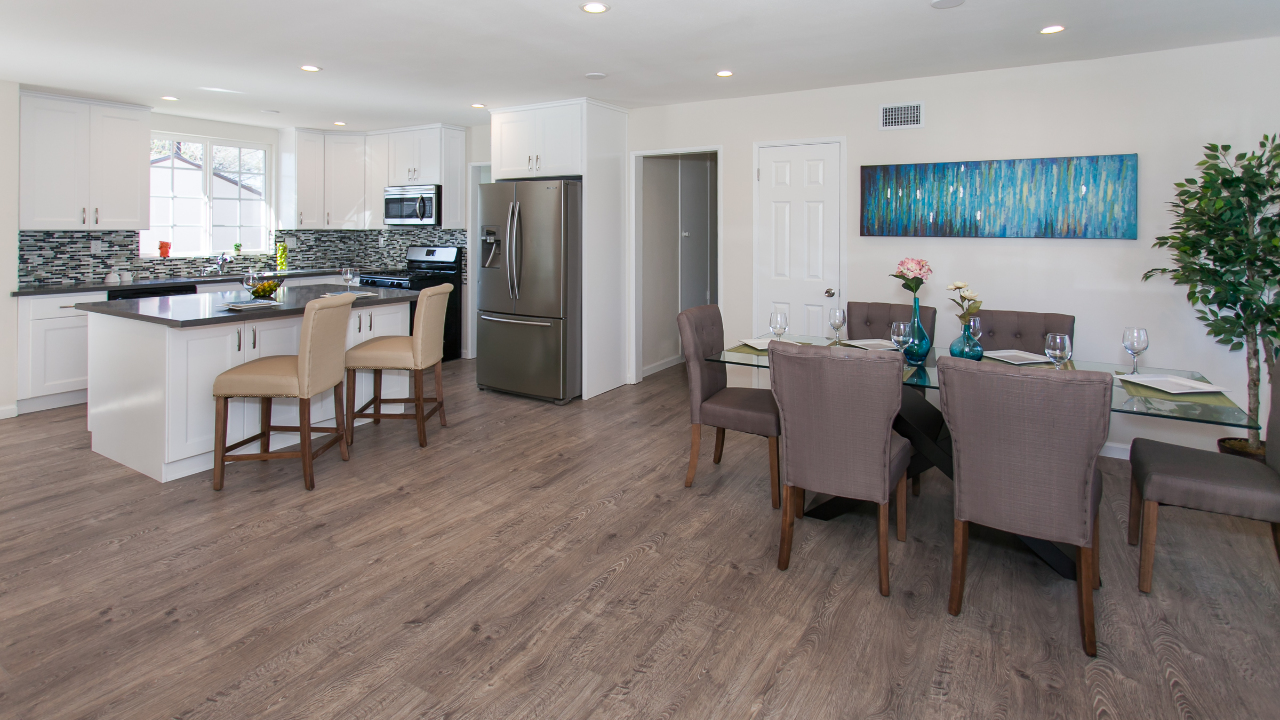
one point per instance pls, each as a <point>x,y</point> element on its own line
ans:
<point>895,117</point>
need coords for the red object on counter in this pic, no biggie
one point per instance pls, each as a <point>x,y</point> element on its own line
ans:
<point>164,248</point>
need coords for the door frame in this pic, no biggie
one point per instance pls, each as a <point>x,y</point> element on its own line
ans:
<point>759,325</point>
<point>470,297</point>
<point>635,249</point>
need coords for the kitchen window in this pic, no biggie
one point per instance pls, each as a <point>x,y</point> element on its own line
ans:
<point>207,195</point>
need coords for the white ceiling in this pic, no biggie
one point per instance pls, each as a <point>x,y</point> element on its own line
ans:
<point>391,63</point>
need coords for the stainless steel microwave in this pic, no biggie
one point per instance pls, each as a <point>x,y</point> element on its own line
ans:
<point>411,205</point>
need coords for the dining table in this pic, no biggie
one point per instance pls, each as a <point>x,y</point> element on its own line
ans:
<point>920,422</point>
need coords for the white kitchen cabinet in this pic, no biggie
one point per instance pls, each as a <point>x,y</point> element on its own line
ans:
<point>83,165</point>
<point>513,139</point>
<point>196,356</point>
<point>542,141</point>
<point>376,170</point>
<point>344,182</point>
<point>310,181</point>
<point>415,157</point>
<point>53,356</point>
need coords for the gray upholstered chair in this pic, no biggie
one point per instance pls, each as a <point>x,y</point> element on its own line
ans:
<point>872,320</point>
<point>1165,474</point>
<point>1025,444</point>
<point>712,402</point>
<point>837,406</point>
<point>1016,330</point>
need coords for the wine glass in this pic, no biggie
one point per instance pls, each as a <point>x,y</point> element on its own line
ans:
<point>899,332</point>
<point>1058,347</point>
<point>975,327</point>
<point>1135,343</point>
<point>251,280</point>
<point>837,321</point>
<point>778,323</point>
<point>348,275</point>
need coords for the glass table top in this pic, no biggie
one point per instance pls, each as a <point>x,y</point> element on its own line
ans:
<point>1209,408</point>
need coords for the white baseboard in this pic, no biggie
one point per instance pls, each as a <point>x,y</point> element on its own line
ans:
<point>662,365</point>
<point>8,411</point>
<point>49,402</point>
<point>1116,450</point>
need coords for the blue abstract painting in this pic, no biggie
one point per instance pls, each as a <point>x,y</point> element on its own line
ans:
<point>1071,197</point>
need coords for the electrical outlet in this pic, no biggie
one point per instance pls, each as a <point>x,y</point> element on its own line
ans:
<point>291,242</point>
<point>95,247</point>
<point>382,240</point>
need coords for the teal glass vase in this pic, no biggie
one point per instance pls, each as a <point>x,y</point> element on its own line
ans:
<point>916,351</point>
<point>966,346</point>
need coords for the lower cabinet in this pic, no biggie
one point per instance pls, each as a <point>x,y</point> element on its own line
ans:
<point>53,350</point>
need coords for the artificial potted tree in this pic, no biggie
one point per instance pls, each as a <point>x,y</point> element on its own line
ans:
<point>1225,240</point>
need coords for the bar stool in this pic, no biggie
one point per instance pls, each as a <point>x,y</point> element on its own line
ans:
<point>416,352</point>
<point>316,368</point>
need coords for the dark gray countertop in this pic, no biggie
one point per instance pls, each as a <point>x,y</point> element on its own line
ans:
<point>182,311</point>
<point>99,286</point>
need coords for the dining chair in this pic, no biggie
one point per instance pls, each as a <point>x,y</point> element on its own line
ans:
<point>837,406</point>
<point>712,402</point>
<point>873,320</point>
<point>1025,445</point>
<point>1165,474</point>
<point>1017,330</point>
<point>316,368</point>
<point>416,353</point>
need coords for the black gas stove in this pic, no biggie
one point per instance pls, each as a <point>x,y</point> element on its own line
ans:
<point>429,267</point>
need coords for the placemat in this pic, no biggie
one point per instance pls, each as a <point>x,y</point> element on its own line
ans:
<point>748,350</point>
<point>1205,398</point>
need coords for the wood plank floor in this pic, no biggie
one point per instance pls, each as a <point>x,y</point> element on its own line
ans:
<point>544,562</point>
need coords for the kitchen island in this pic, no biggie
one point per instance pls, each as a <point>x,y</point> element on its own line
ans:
<point>152,363</point>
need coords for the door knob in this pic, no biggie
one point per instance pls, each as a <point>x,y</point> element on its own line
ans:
<point>830,292</point>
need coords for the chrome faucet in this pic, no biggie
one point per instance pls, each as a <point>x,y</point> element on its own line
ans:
<point>217,266</point>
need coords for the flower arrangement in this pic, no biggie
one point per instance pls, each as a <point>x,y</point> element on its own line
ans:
<point>967,300</point>
<point>913,272</point>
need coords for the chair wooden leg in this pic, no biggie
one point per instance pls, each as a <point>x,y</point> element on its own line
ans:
<point>265,423</point>
<point>788,526</point>
<point>915,486</point>
<point>902,508</point>
<point>695,444</point>
<point>340,422</point>
<point>1085,559</point>
<point>774,475</point>
<point>418,412</point>
<point>1097,555</point>
<point>798,504</point>
<point>304,432</point>
<point>882,537</point>
<point>959,563</point>
<point>351,405</point>
<point>1147,556</point>
<point>1275,537</point>
<point>1135,511</point>
<point>719,453</point>
<point>440,392</point>
<point>377,396</point>
<point>219,440</point>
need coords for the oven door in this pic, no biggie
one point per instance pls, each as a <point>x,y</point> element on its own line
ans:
<point>407,207</point>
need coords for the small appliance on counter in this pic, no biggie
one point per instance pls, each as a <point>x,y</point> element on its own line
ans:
<point>411,205</point>
<point>429,267</point>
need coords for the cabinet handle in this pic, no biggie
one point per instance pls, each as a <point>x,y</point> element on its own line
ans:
<point>327,221</point>
<point>537,162</point>
<point>359,323</point>
<point>530,162</point>
<point>253,342</point>
<point>66,307</point>
<point>371,321</point>
<point>84,216</point>
<point>237,339</point>
<point>95,216</point>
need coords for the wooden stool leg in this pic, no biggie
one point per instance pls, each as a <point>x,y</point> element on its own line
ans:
<point>418,412</point>
<point>340,421</point>
<point>219,440</point>
<point>788,526</point>
<point>304,430</point>
<point>902,508</point>
<point>1085,559</point>
<point>1147,556</point>
<point>1275,537</point>
<point>1097,555</point>
<point>351,405</point>
<point>774,475</point>
<point>265,445</point>
<point>798,505</point>
<point>695,444</point>
<point>719,453</point>
<point>440,392</point>
<point>915,486</point>
<point>377,396</point>
<point>882,539</point>
<point>959,563</point>
<point>1135,511</point>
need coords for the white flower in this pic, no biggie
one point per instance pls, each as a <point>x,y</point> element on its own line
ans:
<point>960,285</point>
<point>969,294</point>
<point>951,287</point>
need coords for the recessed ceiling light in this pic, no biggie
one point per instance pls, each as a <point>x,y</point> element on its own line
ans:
<point>211,89</point>
<point>596,76</point>
<point>168,97</point>
<point>477,105</point>
<point>339,123</point>
<point>725,73</point>
<point>595,7</point>
<point>946,4</point>
<point>1052,29</point>
<point>311,68</point>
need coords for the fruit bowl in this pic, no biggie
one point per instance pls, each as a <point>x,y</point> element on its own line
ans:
<point>265,289</point>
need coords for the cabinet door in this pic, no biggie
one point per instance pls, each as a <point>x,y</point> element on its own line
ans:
<point>196,357</point>
<point>559,141</point>
<point>376,168</point>
<point>344,182</point>
<point>512,144</point>
<point>310,181</point>
<point>453,179</point>
<point>265,339</point>
<point>59,359</point>
<point>404,160</point>
<point>427,169</point>
<point>53,164</point>
<point>119,168</point>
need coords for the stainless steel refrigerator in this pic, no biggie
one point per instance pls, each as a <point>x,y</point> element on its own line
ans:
<point>529,270</point>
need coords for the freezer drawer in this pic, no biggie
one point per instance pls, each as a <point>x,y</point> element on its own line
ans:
<point>522,354</point>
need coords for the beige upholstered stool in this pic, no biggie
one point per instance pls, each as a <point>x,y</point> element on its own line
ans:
<point>416,353</point>
<point>316,368</point>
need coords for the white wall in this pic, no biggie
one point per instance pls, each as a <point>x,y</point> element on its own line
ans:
<point>1163,106</point>
<point>478,149</point>
<point>214,128</point>
<point>8,248</point>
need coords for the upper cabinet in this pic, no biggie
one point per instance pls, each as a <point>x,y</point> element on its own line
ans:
<point>415,157</point>
<point>434,155</point>
<point>537,142</point>
<point>83,166</point>
<point>344,199</point>
<point>310,170</point>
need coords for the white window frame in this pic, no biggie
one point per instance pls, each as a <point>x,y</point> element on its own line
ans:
<point>268,188</point>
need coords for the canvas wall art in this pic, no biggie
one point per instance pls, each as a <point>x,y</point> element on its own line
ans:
<point>1070,197</point>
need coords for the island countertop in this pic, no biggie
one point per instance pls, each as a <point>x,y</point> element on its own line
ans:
<point>162,282</point>
<point>182,311</point>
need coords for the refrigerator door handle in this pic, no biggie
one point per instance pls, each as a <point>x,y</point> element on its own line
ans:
<point>517,248</point>
<point>515,322</point>
<point>511,207</point>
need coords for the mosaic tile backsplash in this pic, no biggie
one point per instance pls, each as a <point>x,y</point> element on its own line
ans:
<point>60,258</point>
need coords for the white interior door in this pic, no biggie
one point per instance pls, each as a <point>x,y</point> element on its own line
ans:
<point>797,248</point>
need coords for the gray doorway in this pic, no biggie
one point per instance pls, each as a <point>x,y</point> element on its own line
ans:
<point>677,228</point>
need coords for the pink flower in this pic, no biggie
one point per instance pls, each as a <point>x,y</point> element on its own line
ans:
<point>915,268</point>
